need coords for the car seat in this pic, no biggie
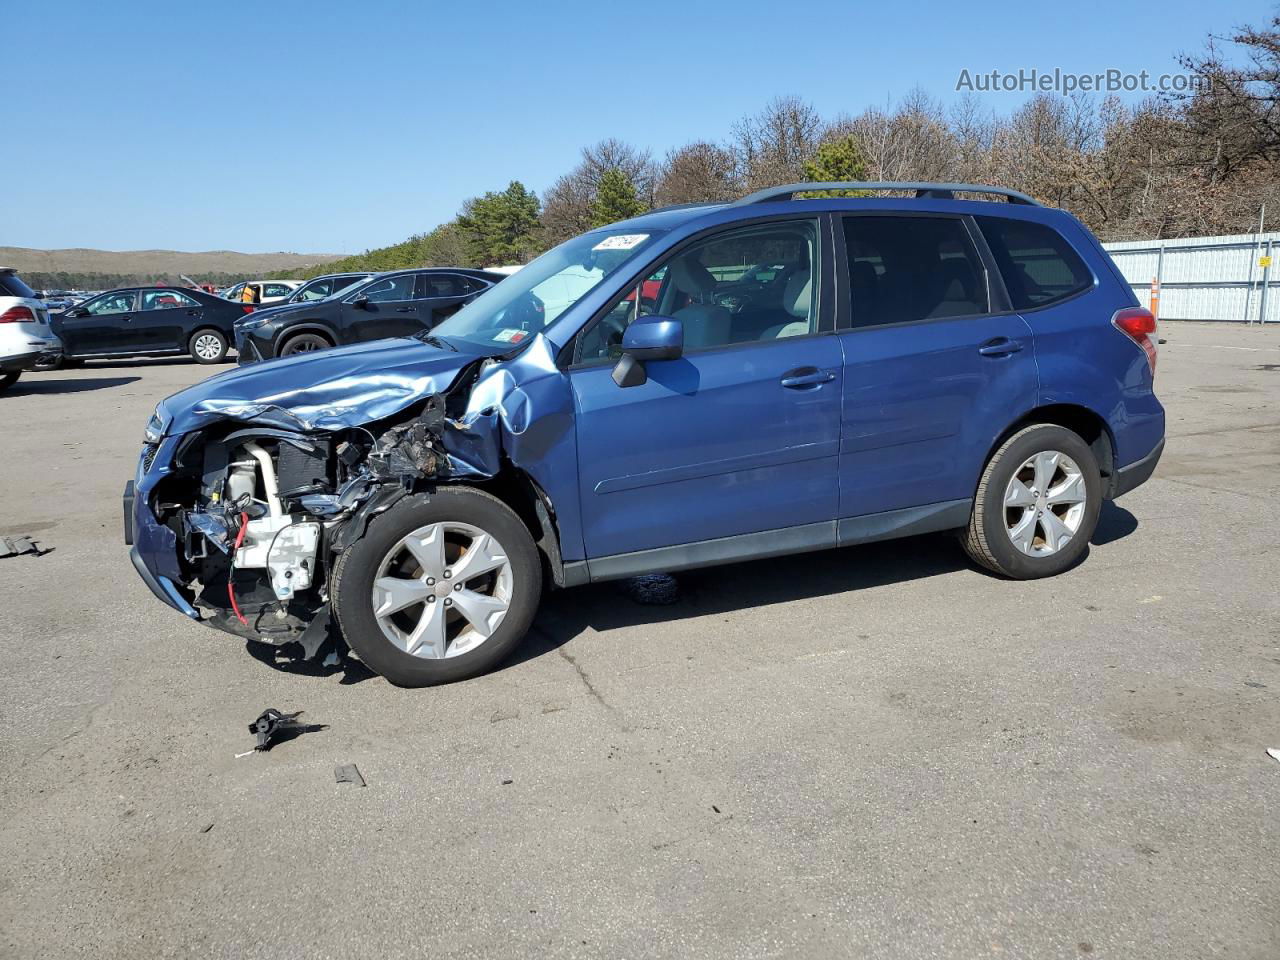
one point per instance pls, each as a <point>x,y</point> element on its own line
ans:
<point>705,324</point>
<point>797,300</point>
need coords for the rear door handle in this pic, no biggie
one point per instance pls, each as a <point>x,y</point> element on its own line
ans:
<point>406,309</point>
<point>802,377</point>
<point>999,347</point>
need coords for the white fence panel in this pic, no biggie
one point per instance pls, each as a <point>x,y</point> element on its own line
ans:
<point>1205,278</point>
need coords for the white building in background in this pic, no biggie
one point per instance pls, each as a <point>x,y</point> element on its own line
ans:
<point>1206,278</point>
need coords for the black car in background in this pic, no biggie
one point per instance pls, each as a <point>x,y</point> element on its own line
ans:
<point>395,304</point>
<point>148,321</point>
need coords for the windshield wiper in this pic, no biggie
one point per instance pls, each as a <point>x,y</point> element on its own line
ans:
<point>435,341</point>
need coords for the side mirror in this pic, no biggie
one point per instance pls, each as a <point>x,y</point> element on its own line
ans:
<point>648,338</point>
<point>361,302</point>
<point>77,312</point>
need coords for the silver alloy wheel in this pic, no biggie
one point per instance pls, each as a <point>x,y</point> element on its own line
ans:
<point>1044,503</point>
<point>442,590</point>
<point>207,346</point>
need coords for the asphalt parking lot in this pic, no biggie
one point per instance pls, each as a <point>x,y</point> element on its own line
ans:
<point>876,752</point>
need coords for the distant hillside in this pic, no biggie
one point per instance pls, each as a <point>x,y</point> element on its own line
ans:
<point>108,268</point>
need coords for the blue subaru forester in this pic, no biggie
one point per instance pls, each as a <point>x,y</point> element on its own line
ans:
<point>696,386</point>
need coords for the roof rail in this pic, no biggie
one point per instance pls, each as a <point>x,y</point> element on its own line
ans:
<point>936,191</point>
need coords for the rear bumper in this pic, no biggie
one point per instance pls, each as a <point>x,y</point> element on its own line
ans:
<point>1136,474</point>
<point>12,363</point>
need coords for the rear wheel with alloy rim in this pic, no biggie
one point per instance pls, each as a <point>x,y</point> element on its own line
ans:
<point>208,346</point>
<point>440,588</point>
<point>1037,504</point>
<point>304,343</point>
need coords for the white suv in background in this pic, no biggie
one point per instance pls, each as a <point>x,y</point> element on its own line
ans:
<point>25,335</point>
<point>263,292</point>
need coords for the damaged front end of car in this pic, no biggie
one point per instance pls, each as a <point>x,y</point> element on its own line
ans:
<point>252,484</point>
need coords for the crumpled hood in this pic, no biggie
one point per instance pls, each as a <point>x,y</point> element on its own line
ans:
<point>323,390</point>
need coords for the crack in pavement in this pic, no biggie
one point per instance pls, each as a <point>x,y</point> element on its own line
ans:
<point>586,680</point>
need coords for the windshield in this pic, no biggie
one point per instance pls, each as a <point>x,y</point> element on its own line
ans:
<point>533,297</point>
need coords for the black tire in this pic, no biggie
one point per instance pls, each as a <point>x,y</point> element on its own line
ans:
<point>351,585</point>
<point>304,343</point>
<point>7,380</point>
<point>71,363</point>
<point>987,540</point>
<point>197,346</point>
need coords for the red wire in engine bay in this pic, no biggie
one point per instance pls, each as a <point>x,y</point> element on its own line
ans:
<point>231,587</point>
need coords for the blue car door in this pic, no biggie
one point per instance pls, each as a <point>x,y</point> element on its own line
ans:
<point>740,434</point>
<point>935,367</point>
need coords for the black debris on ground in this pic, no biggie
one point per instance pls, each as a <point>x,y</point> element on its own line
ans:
<point>274,727</point>
<point>652,589</point>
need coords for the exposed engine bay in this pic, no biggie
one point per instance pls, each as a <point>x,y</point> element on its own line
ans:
<point>261,512</point>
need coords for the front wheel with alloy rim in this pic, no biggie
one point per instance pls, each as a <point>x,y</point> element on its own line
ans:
<point>304,343</point>
<point>440,588</point>
<point>1037,504</point>
<point>208,346</point>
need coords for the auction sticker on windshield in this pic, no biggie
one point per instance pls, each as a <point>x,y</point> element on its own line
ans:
<point>509,336</point>
<point>623,241</point>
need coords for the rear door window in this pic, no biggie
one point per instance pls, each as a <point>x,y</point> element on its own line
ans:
<point>166,300</point>
<point>905,269</point>
<point>1039,266</point>
<point>276,290</point>
<point>341,283</point>
<point>433,286</point>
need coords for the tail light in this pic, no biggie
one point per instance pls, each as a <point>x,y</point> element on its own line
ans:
<point>247,309</point>
<point>1138,325</point>
<point>18,314</point>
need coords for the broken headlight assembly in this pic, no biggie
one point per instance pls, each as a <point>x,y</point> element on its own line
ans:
<point>154,431</point>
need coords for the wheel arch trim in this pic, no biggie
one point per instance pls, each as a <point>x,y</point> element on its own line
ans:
<point>1089,425</point>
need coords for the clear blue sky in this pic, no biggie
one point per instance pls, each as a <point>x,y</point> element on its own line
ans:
<point>318,126</point>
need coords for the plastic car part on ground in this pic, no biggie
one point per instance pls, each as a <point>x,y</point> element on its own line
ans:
<point>272,727</point>
<point>348,773</point>
<point>15,546</point>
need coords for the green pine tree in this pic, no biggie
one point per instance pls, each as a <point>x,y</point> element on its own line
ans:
<point>501,228</point>
<point>615,199</point>
<point>839,159</point>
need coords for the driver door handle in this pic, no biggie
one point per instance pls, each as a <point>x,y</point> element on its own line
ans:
<point>999,347</point>
<point>802,377</point>
<point>406,309</point>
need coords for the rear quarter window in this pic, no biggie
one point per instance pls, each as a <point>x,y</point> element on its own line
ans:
<point>1039,266</point>
<point>11,285</point>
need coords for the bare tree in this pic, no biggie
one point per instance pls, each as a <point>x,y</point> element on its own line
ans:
<point>771,146</point>
<point>697,172</point>
<point>567,206</point>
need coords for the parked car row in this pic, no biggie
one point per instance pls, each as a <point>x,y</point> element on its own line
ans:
<point>158,321</point>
